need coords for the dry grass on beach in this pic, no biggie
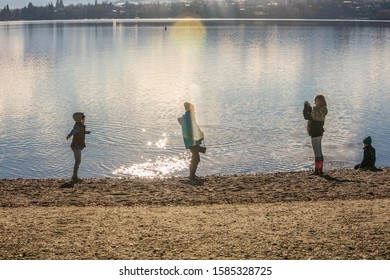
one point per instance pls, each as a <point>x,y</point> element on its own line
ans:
<point>342,215</point>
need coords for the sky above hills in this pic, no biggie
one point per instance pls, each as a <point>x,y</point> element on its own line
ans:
<point>22,3</point>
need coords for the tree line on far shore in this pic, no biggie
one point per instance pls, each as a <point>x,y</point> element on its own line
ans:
<point>311,9</point>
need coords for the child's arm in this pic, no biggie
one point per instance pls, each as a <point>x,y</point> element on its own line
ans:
<point>307,109</point>
<point>75,129</point>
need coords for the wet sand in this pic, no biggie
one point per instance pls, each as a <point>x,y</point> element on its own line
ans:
<point>292,215</point>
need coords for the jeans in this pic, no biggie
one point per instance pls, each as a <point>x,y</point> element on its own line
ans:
<point>316,143</point>
<point>77,160</point>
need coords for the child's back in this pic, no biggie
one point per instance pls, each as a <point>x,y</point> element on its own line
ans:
<point>369,156</point>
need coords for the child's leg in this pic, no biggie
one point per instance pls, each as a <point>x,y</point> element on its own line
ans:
<point>77,160</point>
<point>194,162</point>
<point>319,158</point>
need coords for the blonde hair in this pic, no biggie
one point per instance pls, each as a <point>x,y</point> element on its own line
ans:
<point>321,102</point>
<point>189,107</point>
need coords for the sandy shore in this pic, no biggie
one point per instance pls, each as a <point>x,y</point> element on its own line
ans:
<point>292,215</point>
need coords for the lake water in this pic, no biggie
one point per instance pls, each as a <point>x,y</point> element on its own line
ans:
<point>247,80</point>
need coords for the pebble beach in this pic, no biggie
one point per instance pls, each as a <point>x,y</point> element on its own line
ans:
<point>291,215</point>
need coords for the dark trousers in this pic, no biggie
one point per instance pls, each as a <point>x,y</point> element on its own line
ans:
<point>77,161</point>
<point>195,159</point>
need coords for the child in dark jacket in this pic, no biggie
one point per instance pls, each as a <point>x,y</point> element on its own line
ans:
<point>78,142</point>
<point>369,157</point>
<point>315,117</point>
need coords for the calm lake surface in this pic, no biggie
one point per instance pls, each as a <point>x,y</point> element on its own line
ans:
<point>247,80</point>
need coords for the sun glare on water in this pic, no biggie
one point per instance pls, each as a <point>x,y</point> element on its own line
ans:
<point>161,167</point>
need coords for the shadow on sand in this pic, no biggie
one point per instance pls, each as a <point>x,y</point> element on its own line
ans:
<point>196,182</point>
<point>333,179</point>
<point>67,185</point>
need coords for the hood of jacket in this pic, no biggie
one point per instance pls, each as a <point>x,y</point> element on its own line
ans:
<point>78,117</point>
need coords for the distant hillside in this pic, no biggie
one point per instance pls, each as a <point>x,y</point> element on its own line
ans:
<point>13,4</point>
<point>40,10</point>
<point>23,3</point>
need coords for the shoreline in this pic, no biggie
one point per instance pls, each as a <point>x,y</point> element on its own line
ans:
<point>289,215</point>
<point>210,20</point>
<point>341,184</point>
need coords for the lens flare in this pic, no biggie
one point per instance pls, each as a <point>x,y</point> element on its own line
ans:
<point>188,33</point>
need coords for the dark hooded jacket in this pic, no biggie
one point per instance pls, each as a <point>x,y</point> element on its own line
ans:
<point>369,158</point>
<point>78,132</point>
<point>315,120</point>
<point>78,140</point>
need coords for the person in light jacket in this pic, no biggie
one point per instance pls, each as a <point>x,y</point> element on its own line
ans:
<point>78,142</point>
<point>192,136</point>
<point>315,117</point>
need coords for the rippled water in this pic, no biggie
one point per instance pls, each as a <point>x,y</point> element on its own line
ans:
<point>248,82</point>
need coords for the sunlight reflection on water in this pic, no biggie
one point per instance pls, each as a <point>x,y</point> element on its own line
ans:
<point>247,81</point>
<point>161,167</point>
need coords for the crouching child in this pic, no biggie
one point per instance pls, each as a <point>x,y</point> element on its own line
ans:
<point>369,157</point>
